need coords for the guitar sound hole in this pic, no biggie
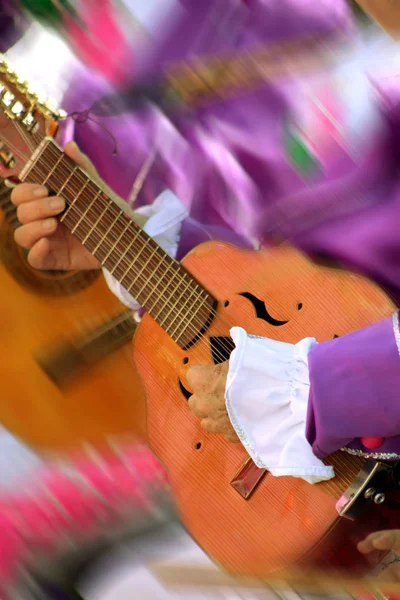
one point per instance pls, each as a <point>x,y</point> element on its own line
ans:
<point>185,360</point>
<point>183,390</point>
<point>261,310</point>
<point>299,306</point>
<point>221,348</point>
<point>226,303</point>
<point>198,445</point>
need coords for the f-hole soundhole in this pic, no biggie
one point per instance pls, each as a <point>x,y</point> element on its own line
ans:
<point>197,445</point>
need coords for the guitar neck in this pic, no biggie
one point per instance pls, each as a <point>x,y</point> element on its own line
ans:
<point>7,206</point>
<point>161,285</point>
<point>62,363</point>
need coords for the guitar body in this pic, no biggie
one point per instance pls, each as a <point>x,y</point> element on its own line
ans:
<point>35,310</point>
<point>248,524</point>
<point>285,519</point>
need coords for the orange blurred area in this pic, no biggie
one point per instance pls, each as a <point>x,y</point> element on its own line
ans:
<point>39,311</point>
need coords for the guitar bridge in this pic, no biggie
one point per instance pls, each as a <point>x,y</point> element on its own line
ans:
<point>248,478</point>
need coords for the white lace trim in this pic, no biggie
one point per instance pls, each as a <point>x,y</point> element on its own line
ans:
<point>266,397</point>
<point>375,455</point>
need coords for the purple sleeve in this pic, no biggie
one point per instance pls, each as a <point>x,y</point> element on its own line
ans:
<point>355,383</point>
<point>225,161</point>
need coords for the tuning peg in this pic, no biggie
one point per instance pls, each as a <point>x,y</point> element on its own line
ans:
<point>22,85</point>
<point>4,68</point>
<point>31,94</point>
<point>61,113</point>
<point>12,76</point>
<point>51,104</point>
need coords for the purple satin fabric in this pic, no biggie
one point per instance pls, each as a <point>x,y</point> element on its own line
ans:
<point>227,163</point>
<point>355,382</point>
<point>193,234</point>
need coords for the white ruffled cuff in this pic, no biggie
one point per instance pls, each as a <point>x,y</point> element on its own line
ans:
<point>267,392</point>
<point>165,217</point>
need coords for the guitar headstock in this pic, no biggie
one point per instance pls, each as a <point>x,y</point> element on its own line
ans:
<point>24,120</point>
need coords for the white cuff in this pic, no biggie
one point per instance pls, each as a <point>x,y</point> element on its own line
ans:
<point>165,217</point>
<point>267,396</point>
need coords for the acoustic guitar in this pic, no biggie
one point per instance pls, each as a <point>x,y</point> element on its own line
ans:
<point>247,520</point>
<point>57,394</point>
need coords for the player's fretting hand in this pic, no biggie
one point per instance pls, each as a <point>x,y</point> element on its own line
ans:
<point>50,244</point>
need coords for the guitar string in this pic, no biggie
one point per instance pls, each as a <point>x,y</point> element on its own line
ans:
<point>184,321</point>
<point>197,285</point>
<point>24,157</point>
<point>189,324</point>
<point>198,292</point>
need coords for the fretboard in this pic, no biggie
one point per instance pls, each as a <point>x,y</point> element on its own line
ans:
<point>162,286</point>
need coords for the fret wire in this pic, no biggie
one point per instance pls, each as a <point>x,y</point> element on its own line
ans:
<point>171,264</point>
<point>34,159</point>
<point>113,247</point>
<point>66,182</point>
<point>169,292</point>
<point>85,212</point>
<point>190,322</point>
<point>105,240</point>
<point>80,174</point>
<point>174,290</point>
<point>115,234</point>
<point>137,234</point>
<point>66,169</point>
<point>89,233</point>
<point>156,286</point>
<point>86,209</point>
<point>131,264</point>
<point>149,278</point>
<point>69,186</point>
<point>132,283</point>
<point>82,231</point>
<point>176,302</point>
<point>95,225</point>
<point>180,312</point>
<point>92,206</point>
<point>66,166</point>
<point>117,218</point>
<point>166,305</point>
<point>36,168</point>
<point>79,191</point>
<point>52,170</point>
